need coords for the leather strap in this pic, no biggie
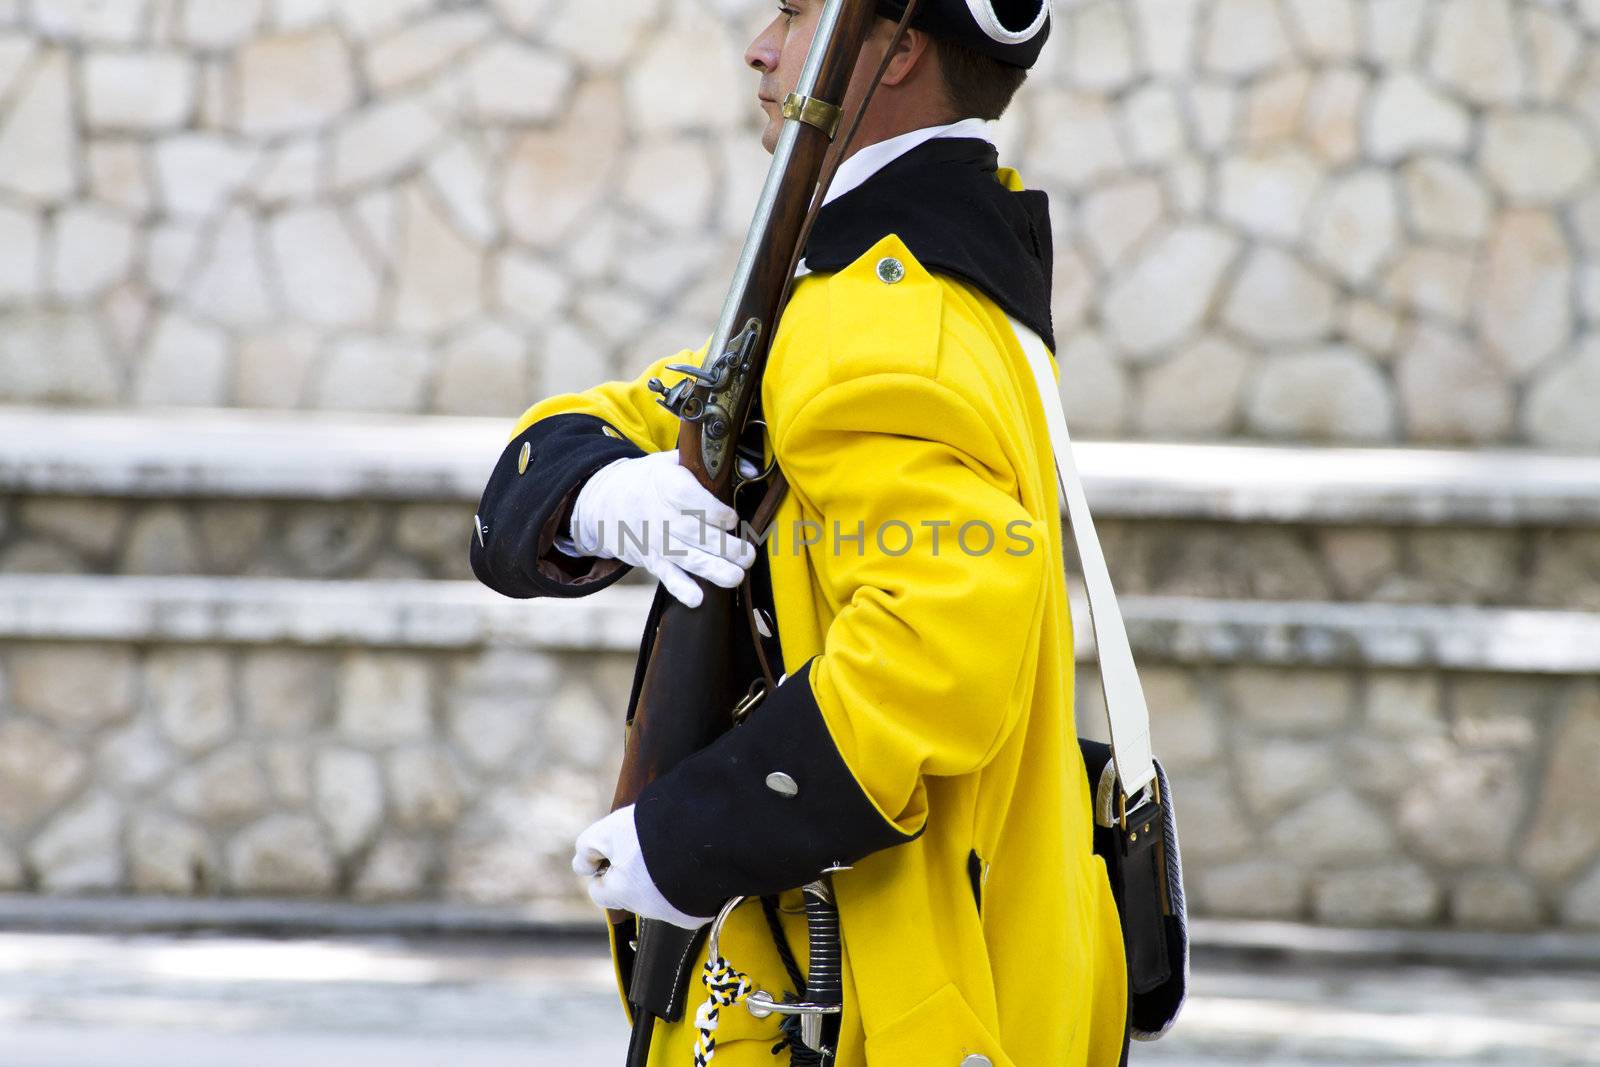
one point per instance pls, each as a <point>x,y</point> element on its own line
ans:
<point>1126,713</point>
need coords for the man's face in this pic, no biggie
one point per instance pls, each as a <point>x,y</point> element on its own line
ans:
<point>779,53</point>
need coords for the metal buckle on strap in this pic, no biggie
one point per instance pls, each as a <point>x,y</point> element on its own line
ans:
<point>813,112</point>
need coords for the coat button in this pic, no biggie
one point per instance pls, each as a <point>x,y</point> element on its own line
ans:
<point>782,784</point>
<point>481,529</point>
<point>890,270</point>
<point>977,1060</point>
<point>523,457</point>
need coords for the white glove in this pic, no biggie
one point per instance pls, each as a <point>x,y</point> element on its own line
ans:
<point>684,529</point>
<point>607,853</point>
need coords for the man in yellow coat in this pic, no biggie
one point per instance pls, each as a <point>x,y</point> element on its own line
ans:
<point>923,734</point>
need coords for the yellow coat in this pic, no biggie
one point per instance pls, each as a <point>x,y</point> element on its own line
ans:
<point>945,680</point>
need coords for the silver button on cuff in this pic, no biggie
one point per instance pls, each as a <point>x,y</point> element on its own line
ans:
<point>477,524</point>
<point>523,457</point>
<point>977,1060</point>
<point>891,270</point>
<point>782,784</point>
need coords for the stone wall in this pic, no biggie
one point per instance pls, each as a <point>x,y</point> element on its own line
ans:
<point>1362,220</point>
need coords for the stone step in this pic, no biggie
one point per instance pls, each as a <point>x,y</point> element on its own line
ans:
<point>461,616</point>
<point>238,454</point>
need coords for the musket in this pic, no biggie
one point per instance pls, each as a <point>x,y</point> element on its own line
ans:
<point>688,690</point>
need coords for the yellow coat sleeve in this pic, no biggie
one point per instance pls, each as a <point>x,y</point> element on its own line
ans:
<point>628,406</point>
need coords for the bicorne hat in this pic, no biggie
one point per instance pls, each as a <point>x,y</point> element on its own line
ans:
<point>1012,31</point>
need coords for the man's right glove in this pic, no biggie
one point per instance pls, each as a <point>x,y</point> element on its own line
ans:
<point>650,512</point>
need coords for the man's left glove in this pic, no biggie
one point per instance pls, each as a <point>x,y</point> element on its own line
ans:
<point>608,854</point>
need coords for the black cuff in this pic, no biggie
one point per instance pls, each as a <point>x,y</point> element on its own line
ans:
<point>715,827</point>
<point>513,549</point>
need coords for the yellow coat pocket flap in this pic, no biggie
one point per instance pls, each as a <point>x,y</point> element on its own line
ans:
<point>942,1031</point>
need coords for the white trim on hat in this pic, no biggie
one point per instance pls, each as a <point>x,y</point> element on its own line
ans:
<point>983,14</point>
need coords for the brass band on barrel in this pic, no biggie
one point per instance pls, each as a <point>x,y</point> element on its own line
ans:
<point>813,112</point>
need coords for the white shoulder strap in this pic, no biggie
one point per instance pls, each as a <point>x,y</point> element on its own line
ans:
<point>1126,712</point>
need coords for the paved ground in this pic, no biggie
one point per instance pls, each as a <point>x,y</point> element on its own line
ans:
<point>78,1000</point>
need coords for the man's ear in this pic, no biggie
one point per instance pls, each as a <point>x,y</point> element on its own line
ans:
<point>914,51</point>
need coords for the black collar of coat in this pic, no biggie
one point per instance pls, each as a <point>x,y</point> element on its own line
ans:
<point>944,201</point>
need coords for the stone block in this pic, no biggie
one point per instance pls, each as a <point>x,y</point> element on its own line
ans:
<point>133,758</point>
<point>39,771</point>
<point>1564,836</point>
<point>1475,51</point>
<point>232,534</point>
<point>81,369</point>
<point>1269,194</point>
<point>225,789</point>
<point>90,526</point>
<point>440,275</point>
<point>515,844</point>
<point>1465,810</point>
<point>80,850</point>
<point>1394,894</point>
<point>1450,391</point>
<point>1327,30</point>
<point>1446,201</point>
<point>1276,773</point>
<point>273,370</point>
<point>197,173</point>
<point>349,796</point>
<point>160,540</point>
<point>38,146</point>
<point>190,691</point>
<point>168,855</point>
<point>1335,113</point>
<point>1495,900</point>
<point>288,768</point>
<point>1101,50</point>
<point>494,704</point>
<point>1293,702</point>
<point>1212,825</point>
<point>208,26</point>
<point>426,787</point>
<point>287,692</point>
<point>326,278</point>
<point>1358,558</point>
<point>1333,828</point>
<point>1088,147</point>
<point>1334,393</point>
<point>1467,565</point>
<point>1356,227</point>
<point>385,698</point>
<point>511,82</point>
<point>1117,218</point>
<point>1558,411</point>
<point>1167,31</point>
<point>1250,889</point>
<point>98,21</point>
<point>1186,729</point>
<point>185,364</point>
<point>78,687</point>
<point>383,142</point>
<point>294,82</point>
<point>373,373</point>
<point>281,855</point>
<point>1168,290</point>
<point>1093,385</point>
<point>1197,392</point>
<point>1278,300</point>
<point>555,177</point>
<point>397,868</point>
<point>21,254</point>
<point>424,49</point>
<point>1410,116</point>
<point>1524,305</point>
<point>146,91</point>
<point>1245,37</point>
